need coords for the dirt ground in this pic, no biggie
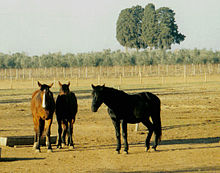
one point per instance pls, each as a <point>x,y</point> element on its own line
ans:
<point>190,142</point>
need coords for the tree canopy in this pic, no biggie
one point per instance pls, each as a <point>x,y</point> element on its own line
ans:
<point>149,26</point>
<point>139,27</point>
<point>109,58</point>
<point>167,29</point>
<point>129,28</point>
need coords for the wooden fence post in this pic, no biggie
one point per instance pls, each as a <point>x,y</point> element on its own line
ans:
<point>120,79</point>
<point>158,70</point>
<point>86,71</point>
<point>77,82</point>
<point>184,73</point>
<point>16,74</point>
<point>162,80</point>
<point>79,72</point>
<point>140,76</point>
<point>167,70</point>
<point>54,82</point>
<point>99,80</point>
<point>5,73</point>
<point>11,83</point>
<point>32,82</point>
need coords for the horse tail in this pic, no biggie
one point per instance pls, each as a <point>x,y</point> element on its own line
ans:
<point>157,121</point>
<point>155,104</point>
<point>158,129</point>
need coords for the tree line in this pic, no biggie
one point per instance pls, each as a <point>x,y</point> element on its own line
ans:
<point>147,27</point>
<point>110,58</point>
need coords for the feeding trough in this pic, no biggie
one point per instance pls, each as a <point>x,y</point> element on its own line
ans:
<point>12,141</point>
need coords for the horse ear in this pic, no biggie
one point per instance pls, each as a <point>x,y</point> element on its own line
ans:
<point>39,84</point>
<point>103,85</point>
<point>68,84</point>
<point>60,83</point>
<point>93,86</point>
<point>50,85</point>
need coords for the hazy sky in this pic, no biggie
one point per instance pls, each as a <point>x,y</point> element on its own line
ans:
<point>43,26</point>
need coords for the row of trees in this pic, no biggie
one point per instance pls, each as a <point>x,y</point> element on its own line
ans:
<point>109,58</point>
<point>139,27</point>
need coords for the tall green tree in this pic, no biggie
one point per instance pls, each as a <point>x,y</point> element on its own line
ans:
<point>167,33</point>
<point>149,26</point>
<point>129,28</point>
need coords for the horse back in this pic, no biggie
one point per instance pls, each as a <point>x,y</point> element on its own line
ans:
<point>66,106</point>
<point>141,104</point>
<point>150,98</point>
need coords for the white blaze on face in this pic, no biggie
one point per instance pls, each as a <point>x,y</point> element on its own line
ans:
<point>43,102</point>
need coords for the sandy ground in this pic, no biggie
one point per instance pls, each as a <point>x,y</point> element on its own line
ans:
<point>190,142</point>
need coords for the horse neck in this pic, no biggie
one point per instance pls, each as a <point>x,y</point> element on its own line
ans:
<point>113,98</point>
<point>64,93</point>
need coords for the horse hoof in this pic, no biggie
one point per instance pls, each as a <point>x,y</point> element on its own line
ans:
<point>125,152</point>
<point>35,145</point>
<point>49,151</point>
<point>37,150</point>
<point>154,148</point>
<point>147,149</point>
<point>63,145</point>
<point>59,147</point>
<point>71,147</point>
<point>118,151</point>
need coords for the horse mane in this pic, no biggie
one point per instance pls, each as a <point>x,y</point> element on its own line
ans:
<point>35,92</point>
<point>115,92</point>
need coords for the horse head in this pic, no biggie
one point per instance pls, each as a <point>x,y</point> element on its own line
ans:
<point>46,95</point>
<point>64,88</point>
<point>97,97</point>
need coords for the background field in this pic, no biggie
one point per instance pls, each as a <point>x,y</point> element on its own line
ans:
<point>190,121</point>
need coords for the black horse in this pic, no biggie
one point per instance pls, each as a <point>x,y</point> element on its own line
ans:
<point>66,109</point>
<point>125,108</point>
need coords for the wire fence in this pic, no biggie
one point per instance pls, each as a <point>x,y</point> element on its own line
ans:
<point>115,71</point>
<point>82,76</point>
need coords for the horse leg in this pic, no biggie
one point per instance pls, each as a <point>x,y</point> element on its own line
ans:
<point>39,134</point>
<point>65,127</point>
<point>48,141</point>
<point>70,132</point>
<point>59,140</point>
<point>35,141</point>
<point>36,128</point>
<point>124,134</point>
<point>136,127</point>
<point>118,135</point>
<point>156,141</point>
<point>149,125</point>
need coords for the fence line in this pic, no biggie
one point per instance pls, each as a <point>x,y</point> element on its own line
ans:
<point>115,71</point>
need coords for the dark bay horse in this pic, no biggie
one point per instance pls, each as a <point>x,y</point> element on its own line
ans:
<point>42,108</point>
<point>66,109</point>
<point>125,108</point>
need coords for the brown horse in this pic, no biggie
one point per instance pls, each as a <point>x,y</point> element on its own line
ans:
<point>42,107</point>
<point>66,109</point>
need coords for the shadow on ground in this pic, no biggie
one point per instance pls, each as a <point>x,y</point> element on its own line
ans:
<point>196,169</point>
<point>18,159</point>
<point>209,140</point>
